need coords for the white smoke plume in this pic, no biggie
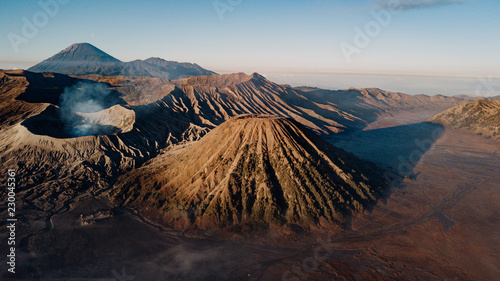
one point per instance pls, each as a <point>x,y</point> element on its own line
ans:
<point>83,97</point>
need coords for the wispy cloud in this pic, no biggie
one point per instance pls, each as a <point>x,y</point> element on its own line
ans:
<point>416,4</point>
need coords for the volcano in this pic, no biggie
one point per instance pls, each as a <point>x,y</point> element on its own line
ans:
<point>176,152</point>
<point>84,58</point>
<point>78,59</point>
<point>42,147</point>
<point>256,169</point>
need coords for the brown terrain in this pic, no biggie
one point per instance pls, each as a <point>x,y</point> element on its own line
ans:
<point>39,140</point>
<point>95,203</point>
<point>481,117</point>
<point>252,169</point>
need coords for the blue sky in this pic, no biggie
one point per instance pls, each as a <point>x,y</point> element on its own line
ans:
<point>428,37</point>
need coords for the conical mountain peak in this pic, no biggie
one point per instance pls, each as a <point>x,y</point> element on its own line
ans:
<point>84,58</point>
<point>83,52</point>
<point>266,170</point>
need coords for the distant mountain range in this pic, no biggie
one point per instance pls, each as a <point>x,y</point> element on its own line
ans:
<point>84,58</point>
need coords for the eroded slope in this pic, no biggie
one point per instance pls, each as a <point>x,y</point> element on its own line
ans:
<point>481,117</point>
<point>252,169</point>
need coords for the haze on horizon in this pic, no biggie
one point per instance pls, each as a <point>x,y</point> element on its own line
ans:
<point>444,38</point>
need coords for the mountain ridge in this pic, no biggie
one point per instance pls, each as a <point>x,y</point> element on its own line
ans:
<point>182,110</point>
<point>481,117</point>
<point>84,58</point>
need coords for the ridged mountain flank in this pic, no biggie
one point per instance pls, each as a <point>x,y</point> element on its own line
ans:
<point>255,169</point>
<point>481,117</point>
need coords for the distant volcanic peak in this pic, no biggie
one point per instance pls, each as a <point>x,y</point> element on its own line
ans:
<point>259,169</point>
<point>159,61</point>
<point>83,58</point>
<point>84,52</point>
<point>154,59</point>
<point>188,68</point>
